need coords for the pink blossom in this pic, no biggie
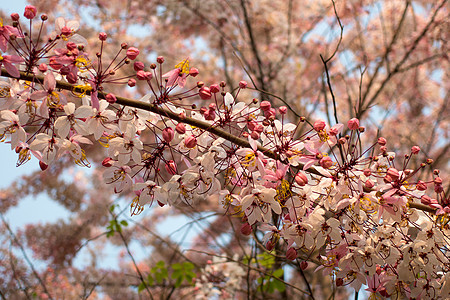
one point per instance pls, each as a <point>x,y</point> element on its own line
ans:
<point>8,61</point>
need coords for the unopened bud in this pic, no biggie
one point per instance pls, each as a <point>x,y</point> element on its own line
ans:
<point>131,82</point>
<point>353,124</point>
<point>180,128</point>
<point>138,65</point>
<point>381,141</point>
<point>111,98</point>
<point>107,162</point>
<point>193,72</point>
<point>301,179</point>
<point>160,59</point>
<point>214,88</point>
<point>205,93</point>
<point>30,12</point>
<point>326,162</point>
<point>168,134</point>
<point>319,125</point>
<point>243,84</point>
<point>282,110</point>
<point>246,229</point>
<point>190,141</point>
<point>415,149</point>
<point>43,165</point>
<point>132,53</point>
<point>171,167</point>
<point>421,186</point>
<point>43,68</point>
<point>15,17</point>
<point>291,254</point>
<point>102,36</point>
<point>265,106</point>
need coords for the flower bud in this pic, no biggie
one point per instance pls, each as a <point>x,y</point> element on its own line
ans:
<point>415,149</point>
<point>15,16</point>
<point>131,82</point>
<point>270,113</point>
<point>210,114</point>
<point>43,165</point>
<point>190,141</point>
<point>243,84</point>
<point>43,67</point>
<point>367,172</point>
<point>326,162</point>
<point>381,141</point>
<point>193,72</point>
<point>319,125</point>
<point>214,88</point>
<point>111,98</point>
<point>421,186</point>
<point>393,173</point>
<point>438,180</point>
<point>142,75</point>
<point>180,128</point>
<point>138,65</point>
<point>265,105</point>
<point>291,254</point>
<point>282,110</point>
<point>304,265</point>
<point>254,135</point>
<point>269,245</point>
<point>353,124</point>
<point>168,134</point>
<point>205,93</point>
<point>246,229</point>
<point>30,12</point>
<point>132,53</point>
<point>102,36</point>
<point>107,162</point>
<point>171,167</point>
<point>301,179</point>
<point>369,184</point>
<point>160,59</point>
<point>425,200</point>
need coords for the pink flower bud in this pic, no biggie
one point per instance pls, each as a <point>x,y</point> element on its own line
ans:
<point>43,165</point>
<point>438,180</point>
<point>102,36</point>
<point>304,265</point>
<point>265,105</point>
<point>301,179</point>
<point>252,125</point>
<point>333,131</point>
<point>180,128</point>
<point>319,125</point>
<point>421,186</point>
<point>270,113</point>
<point>269,245</point>
<point>43,67</point>
<point>30,12</point>
<point>210,115</point>
<point>142,75</point>
<point>138,66</point>
<point>160,59</point>
<point>214,88</point>
<point>243,84</point>
<point>282,110</point>
<point>71,46</point>
<point>326,162</point>
<point>168,134</point>
<point>415,149</point>
<point>367,172</point>
<point>107,162</point>
<point>171,167</point>
<point>353,124</point>
<point>66,31</point>
<point>381,141</point>
<point>131,82</point>
<point>193,72</point>
<point>291,254</point>
<point>393,173</point>
<point>254,135</point>
<point>246,229</point>
<point>15,16</point>
<point>111,98</point>
<point>205,93</point>
<point>132,53</point>
<point>369,184</point>
<point>190,141</point>
<point>425,200</point>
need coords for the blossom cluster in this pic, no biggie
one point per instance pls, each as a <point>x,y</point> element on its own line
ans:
<point>313,189</point>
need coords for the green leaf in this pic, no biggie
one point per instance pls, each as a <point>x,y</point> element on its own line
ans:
<point>141,287</point>
<point>124,223</point>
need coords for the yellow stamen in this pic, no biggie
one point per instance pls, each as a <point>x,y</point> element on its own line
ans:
<point>283,192</point>
<point>183,66</point>
<point>82,161</point>
<point>135,207</point>
<point>81,90</point>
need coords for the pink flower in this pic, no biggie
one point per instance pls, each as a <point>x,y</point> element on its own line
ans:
<point>8,61</point>
<point>5,33</point>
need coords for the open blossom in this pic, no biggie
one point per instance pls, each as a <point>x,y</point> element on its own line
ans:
<point>178,76</point>
<point>126,147</point>
<point>6,32</point>
<point>73,119</point>
<point>47,145</point>
<point>119,177</point>
<point>259,204</point>
<point>50,98</point>
<point>11,125</point>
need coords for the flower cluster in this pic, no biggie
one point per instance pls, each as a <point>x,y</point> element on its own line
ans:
<point>314,192</point>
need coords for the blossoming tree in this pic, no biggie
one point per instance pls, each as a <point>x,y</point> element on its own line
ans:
<point>298,193</point>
